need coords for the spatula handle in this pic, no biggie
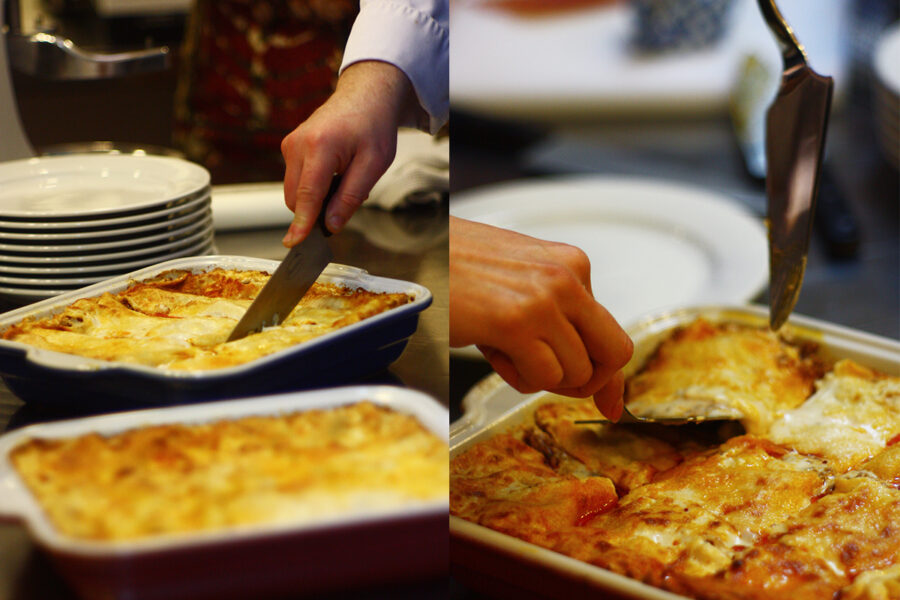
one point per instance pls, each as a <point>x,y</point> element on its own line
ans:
<point>791,50</point>
<point>332,190</point>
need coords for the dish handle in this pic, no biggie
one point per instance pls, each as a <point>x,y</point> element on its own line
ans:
<point>15,502</point>
<point>482,405</point>
<point>338,269</point>
<point>56,360</point>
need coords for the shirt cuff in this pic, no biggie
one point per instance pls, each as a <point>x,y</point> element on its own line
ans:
<point>415,39</point>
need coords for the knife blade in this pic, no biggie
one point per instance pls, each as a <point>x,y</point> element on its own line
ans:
<point>796,123</point>
<point>291,280</point>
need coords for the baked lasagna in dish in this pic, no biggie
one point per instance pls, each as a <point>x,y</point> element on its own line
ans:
<point>180,320</point>
<point>801,503</point>
<point>294,468</point>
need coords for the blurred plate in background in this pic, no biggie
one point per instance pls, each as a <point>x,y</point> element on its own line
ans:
<point>652,244</point>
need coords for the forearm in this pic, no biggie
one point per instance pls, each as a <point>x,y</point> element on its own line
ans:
<point>365,82</point>
<point>412,35</point>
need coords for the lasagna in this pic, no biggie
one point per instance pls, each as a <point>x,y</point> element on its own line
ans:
<point>743,373</point>
<point>801,503</point>
<point>290,468</point>
<point>180,320</point>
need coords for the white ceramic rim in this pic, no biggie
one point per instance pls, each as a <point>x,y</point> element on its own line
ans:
<point>204,223</point>
<point>189,204</point>
<point>180,220</point>
<point>205,247</point>
<point>111,258</point>
<point>164,179</point>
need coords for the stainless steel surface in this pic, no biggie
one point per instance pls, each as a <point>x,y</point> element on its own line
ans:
<point>32,45</point>
<point>290,281</point>
<point>628,418</point>
<point>13,143</point>
<point>49,56</point>
<point>795,141</point>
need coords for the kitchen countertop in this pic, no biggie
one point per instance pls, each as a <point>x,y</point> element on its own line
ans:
<point>26,574</point>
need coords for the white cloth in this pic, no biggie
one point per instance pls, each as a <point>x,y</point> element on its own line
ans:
<point>414,36</point>
<point>420,173</point>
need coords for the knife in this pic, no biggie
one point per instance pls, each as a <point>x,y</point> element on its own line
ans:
<point>291,280</point>
<point>795,139</point>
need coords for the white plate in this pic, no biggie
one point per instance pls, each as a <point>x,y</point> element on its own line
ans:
<point>108,242</point>
<point>75,268</point>
<point>91,185</point>
<point>30,294</point>
<point>201,211</point>
<point>189,204</point>
<point>886,65</point>
<point>111,258</point>
<point>652,244</point>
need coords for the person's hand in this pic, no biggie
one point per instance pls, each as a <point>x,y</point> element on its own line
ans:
<point>528,306</point>
<point>353,133</point>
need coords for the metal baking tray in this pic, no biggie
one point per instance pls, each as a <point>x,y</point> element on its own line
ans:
<point>503,566</point>
<point>341,357</point>
<point>363,549</point>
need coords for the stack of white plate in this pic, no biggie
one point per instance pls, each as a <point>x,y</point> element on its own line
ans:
<point>70,221</point>
<point>887,93</point>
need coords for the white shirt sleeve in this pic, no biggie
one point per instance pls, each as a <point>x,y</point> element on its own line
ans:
<point>414,36</point>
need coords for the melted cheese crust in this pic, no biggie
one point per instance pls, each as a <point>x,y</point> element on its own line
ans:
<point>180,321</point>
<point>805,506</point>
<point>293,468</point>
<point>740,372</point>
<point>849,419</point>
<point>504,484</point>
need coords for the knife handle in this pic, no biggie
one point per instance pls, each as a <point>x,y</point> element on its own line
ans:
<point>791,49</point>
<point>332,190</point>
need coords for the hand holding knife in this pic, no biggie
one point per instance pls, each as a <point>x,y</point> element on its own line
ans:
<point>292,279</point>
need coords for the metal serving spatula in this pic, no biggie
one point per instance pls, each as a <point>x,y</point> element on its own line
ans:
<point>291,280</point>
<point>628,418</point>
<point>795,140</point>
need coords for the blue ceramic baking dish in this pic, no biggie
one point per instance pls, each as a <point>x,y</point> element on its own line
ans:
<point>79,384</point>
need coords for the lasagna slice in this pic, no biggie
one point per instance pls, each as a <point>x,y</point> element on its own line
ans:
<point>851,417</point>
<point>730,370</point>
<point>180,320</point>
